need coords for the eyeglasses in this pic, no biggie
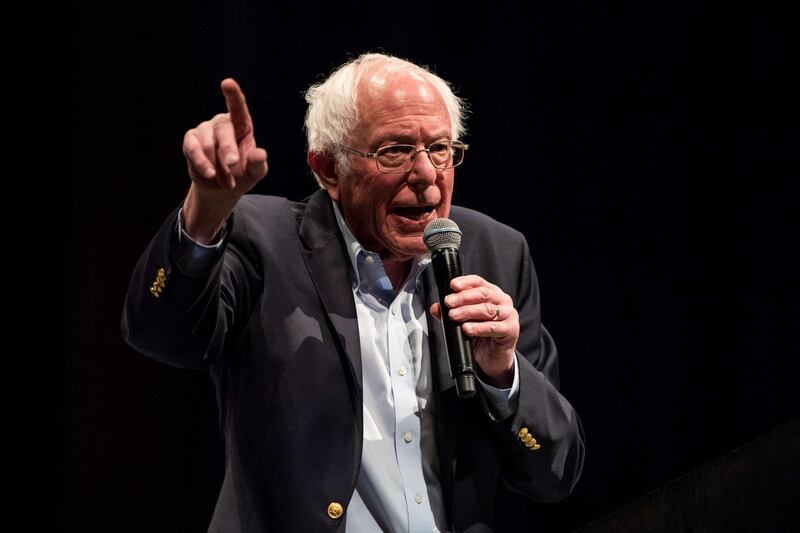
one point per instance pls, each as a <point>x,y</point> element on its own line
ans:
<point>396,158</point>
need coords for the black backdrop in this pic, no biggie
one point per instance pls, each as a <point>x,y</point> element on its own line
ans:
<point>644,150</point>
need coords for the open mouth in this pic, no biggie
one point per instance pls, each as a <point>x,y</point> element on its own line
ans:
<point>414,212</point>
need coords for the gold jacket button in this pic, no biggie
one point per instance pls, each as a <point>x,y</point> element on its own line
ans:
<point>522,432</point>
<point>159,283</point>
<point>335,510</point>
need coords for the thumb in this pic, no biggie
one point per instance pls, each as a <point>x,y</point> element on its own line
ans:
<point>256,164</point>
<point>436,311</point>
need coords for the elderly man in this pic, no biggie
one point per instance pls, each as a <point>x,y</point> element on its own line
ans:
<point>319,323</point>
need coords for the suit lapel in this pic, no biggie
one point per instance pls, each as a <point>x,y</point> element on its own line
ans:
<point>327,263</point>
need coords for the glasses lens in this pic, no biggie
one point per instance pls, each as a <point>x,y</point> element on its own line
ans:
<point>395,157</point>
<point>441,155</point>
<point>456,152</point>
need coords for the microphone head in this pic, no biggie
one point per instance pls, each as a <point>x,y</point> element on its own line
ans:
<point>442,233</point>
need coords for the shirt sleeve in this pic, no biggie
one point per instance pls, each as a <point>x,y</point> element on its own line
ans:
<point>502,403</point>
<point>192,257</point>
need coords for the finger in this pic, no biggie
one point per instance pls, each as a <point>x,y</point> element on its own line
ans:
<point>237,107</point>
<point>470,280</point>
<point>204,133</point>
<point>207,137</point>
<point>436,311</point>
<point>482,312</point>
<point>476,295</point>
<point>256,167</point>
<point>227,147</point>
<point>195,156</point>
<point>500,331</point>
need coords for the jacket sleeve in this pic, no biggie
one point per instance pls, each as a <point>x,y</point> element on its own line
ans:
<point>542,443</point>
<point>182,319</point>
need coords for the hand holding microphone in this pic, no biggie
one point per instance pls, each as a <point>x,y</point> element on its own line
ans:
<point>476,309</point>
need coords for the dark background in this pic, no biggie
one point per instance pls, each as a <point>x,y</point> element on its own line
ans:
<point>644,150</point>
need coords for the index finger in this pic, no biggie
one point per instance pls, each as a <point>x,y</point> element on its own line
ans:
<point>237,107</point>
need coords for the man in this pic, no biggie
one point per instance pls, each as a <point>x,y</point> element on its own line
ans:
<point>319,325</point>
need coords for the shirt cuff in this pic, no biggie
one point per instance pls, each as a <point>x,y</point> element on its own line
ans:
<point>502,402</point>
<point>192,257</point>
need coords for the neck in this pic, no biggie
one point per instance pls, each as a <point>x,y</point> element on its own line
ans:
<point>397,270</point>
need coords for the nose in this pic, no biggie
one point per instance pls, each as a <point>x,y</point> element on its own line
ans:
<point>423,174</point>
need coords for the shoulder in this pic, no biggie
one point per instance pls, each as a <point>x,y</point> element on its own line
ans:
<point>499,254</point>
<point>263,211</point>
<point>259,222</point>
<point>492,249</point>
<point>481,229</point>
<point>260,206</point>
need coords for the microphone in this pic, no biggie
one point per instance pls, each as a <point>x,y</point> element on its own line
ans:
<point>443,237</point>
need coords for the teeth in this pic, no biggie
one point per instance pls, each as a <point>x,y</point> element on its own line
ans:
<point>414,212</point>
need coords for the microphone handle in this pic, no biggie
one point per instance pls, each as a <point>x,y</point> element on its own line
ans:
<point>446,266</point>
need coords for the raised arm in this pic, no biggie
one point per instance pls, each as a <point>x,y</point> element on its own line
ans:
<point>184,298</point>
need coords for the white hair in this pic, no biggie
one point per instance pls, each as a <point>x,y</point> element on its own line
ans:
<point>332,113</point>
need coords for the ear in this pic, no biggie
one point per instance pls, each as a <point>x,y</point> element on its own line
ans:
<point>324,166</point>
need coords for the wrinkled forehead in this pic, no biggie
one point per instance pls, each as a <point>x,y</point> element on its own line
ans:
<point>400,101</point>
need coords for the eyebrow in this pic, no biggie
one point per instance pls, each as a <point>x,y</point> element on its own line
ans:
<point>404,138</point>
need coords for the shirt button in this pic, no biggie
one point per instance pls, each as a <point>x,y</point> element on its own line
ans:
<point>401,371</point>
<point>394,311</point>
<point>370,259</point>
<point>408,437</point>
<point>418,498</point>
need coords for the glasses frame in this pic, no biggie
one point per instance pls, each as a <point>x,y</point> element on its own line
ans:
<point>374,155</point>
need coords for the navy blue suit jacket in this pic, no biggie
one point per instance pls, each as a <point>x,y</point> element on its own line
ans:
<point>275,322</point>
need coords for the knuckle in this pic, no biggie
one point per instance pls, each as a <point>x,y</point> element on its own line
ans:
<point>205,136</point>
<point>190,141</point>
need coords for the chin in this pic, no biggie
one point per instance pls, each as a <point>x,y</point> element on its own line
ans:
<point>409,250</point>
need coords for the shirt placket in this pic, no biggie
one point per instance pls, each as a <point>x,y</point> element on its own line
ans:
<point>407,422</point>
<point>396,312</point>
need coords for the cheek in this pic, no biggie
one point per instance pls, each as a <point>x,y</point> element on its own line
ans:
<point>446,187</point>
